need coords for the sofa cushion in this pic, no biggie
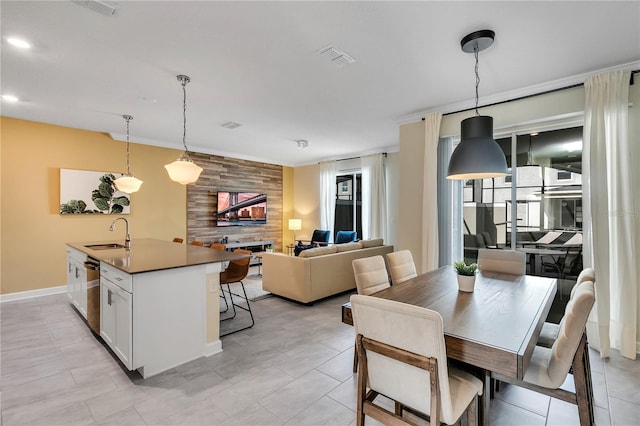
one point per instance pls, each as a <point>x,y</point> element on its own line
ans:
<point>348,247</point>
<point>375,242</point>
<point>318,251</point>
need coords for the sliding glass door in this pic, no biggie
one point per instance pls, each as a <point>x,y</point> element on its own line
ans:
<point>537,209</point>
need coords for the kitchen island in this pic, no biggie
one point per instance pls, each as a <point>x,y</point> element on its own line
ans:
<point>159,300</point>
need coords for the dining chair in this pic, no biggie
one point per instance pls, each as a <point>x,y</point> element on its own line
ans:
<point>197,243</point>
<point>548,367</point>
<point>403,357</point>
<point>178,240</point>
<point>221,247</point>
<point>371,276</point>
<point>505,261</point>
<point>550,331</point>
<point>401,266</point>
<point>236,272</point>
<point>564,266</point>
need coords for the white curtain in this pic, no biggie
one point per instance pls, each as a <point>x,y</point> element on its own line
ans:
<point>374,197</point>
<point>612,226</point>
<point>327,195</point>
<point>430,246</point>
<point>449,208</point>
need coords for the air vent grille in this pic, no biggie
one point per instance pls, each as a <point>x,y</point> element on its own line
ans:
<point>230,125</point>
<point>336,56</point>
<point>108,8</point>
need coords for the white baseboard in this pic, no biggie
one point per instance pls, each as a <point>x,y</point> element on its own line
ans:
<point>32,293</point>
<point>213,348</point>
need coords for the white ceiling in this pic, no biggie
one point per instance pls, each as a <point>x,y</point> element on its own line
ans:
<point>256,63</point>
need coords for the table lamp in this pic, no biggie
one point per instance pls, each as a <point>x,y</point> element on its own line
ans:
<point>295,225</point>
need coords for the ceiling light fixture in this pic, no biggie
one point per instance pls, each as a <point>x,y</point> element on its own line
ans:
<point>17,42</point>
<point>302,144</point>
<point>184,170</point>
<point>478,155</point>
<point>127,182</point>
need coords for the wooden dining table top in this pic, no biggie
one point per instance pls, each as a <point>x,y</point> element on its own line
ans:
<point>495,327</point>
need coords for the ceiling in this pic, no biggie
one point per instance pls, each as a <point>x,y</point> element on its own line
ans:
<point>257,64</point>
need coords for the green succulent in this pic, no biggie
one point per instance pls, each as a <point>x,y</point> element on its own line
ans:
<point>463,268</point>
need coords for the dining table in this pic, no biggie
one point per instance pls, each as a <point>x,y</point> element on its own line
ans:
<point>493,329</point>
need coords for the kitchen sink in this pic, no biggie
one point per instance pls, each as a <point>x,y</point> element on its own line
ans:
<point>105,246</point>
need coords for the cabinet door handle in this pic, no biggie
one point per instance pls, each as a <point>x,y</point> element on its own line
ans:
<point>69,267</point>
<point>109,293</point>
<point>77,275</point>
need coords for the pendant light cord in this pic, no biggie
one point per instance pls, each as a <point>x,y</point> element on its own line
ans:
<point>475,54</point>
<point>128,118</point>
<point>184,113</point>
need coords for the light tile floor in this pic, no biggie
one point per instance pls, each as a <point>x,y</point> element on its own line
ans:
<point>293,367</point>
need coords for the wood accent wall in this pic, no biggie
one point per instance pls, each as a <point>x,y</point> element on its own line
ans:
<point>232,174</point>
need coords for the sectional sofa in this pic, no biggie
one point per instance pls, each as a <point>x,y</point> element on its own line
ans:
<point>317,273</point>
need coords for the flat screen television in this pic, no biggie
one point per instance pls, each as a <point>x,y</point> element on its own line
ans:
<point>241,208</point>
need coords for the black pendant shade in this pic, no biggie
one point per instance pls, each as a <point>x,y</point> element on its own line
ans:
<point>477,156</point>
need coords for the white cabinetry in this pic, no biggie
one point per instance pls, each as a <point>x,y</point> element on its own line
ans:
<point>77,280</point>
<point>116,310</point>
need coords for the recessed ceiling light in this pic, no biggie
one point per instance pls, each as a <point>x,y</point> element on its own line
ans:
<point>17,42</point>
<point>9,98</point>
<point>302,144</point>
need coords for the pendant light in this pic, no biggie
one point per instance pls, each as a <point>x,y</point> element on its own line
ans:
<point>127,182</point>
<point>478,155</point>
<point>184,170</point>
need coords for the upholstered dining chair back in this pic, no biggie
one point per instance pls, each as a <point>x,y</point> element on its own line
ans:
<point>401,266</point>
<point>218,246</point>
<point>197,243</point>
<point>370,274</point>
<point>405,328</point>
<point>504,261</point>
<point>238,269</point>
<point>178,240</point>
<point>550,331</point>
<point>548,368</point>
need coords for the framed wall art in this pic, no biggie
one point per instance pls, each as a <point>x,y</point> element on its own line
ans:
<point>91,192</point>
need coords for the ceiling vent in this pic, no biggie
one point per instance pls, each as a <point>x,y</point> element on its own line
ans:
<point>108,8</point>
<point>230,125</point>
<point>336,56</point>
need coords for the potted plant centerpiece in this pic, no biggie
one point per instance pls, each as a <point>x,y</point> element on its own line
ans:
<point>466,275</point>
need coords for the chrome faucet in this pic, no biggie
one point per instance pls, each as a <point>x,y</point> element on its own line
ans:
<point>127,240</point>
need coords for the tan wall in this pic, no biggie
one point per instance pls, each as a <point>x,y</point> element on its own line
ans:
<point>287,206</point>
<point>34,233</point>
<point>306,193</point>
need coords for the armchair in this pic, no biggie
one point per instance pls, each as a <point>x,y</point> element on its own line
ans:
<point>320,237</point>
<point>345,237</point>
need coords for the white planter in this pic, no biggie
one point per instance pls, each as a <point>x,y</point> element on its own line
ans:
<point>466,283</point>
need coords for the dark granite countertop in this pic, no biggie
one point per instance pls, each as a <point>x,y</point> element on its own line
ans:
<point>148,254</point>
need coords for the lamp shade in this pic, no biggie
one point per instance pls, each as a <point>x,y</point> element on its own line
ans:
<point>183,171</point>
<point>128,184</point>
<point>295,224</point>
<point>477,156</point>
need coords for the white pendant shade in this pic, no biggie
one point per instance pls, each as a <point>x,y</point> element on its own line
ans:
<point>128,184</point>
<point>183,171</point>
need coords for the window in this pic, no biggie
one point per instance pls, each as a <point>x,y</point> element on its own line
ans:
<point>348,216</point>
<point>548,192</point>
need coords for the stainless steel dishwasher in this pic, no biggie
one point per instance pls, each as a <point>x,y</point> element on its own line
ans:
<point>92,267</point>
